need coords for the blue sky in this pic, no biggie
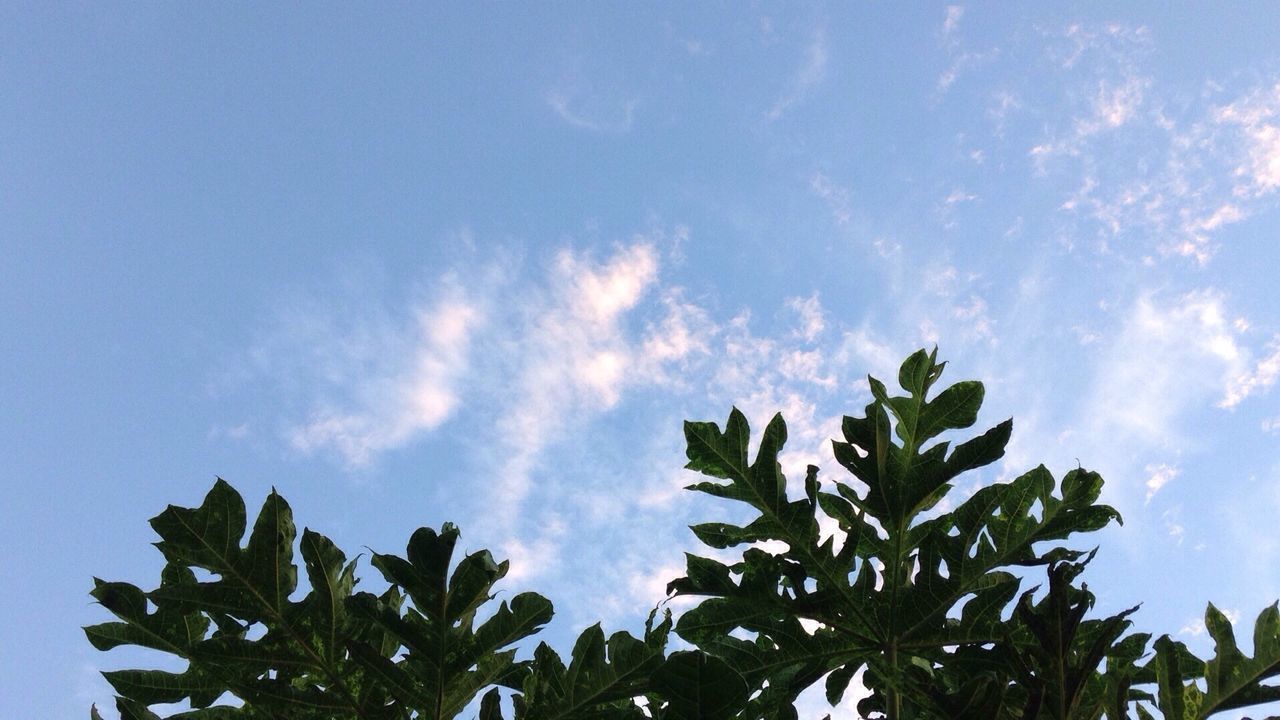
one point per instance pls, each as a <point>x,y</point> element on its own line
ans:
<point>417,264</point>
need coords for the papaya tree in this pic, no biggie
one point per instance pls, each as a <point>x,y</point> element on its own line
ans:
<point>880,574</point>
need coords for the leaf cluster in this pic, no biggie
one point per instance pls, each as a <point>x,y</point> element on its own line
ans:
<point>427,647</point>
<point>884,577</point>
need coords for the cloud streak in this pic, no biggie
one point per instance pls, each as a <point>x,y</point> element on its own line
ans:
<point>613,121</point>
<point>810,74</point>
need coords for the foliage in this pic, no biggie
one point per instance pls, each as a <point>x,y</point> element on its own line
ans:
<point>919,596</point>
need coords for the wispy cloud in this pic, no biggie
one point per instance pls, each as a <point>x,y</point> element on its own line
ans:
<point>812,318</point>
<point>839,199</point>
<point>1158,177</point>
<point>951,23</point>
<point>1257,115</point>
<point>1159,475</point>
<point>1001,105</point>
<point>573,358</point>
<point>598,117</point>
<point>1169,359</point>
<point>419,397</point>
<point>1256,381</point>
<point>1105,83</point>
<point>368,377</point>
<point>810,74</point>
<point>1115,102</point>
<point>946,210</point>
<point>1187,352</point>
<point>960,60</point>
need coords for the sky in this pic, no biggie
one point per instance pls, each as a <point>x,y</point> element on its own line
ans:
<point>478,262</point>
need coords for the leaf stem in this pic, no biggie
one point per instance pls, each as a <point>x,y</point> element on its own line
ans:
<point>894,706</point>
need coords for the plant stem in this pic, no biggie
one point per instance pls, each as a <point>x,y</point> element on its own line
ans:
<point>894,706</point>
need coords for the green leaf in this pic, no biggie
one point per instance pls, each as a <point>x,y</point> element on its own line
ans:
<point>131,710</point>
<point>166,630</point>
<point>207,537</point>
<point>158,686</point>
<point>1058,653</point>
<point>332,580</point>
<point>1233,679</point>
<point>698,686</point>
<point>901,588</point>
<point>717,454</point>
<point>1174,664</point>
<point>491,705</point>
<point>601,679</point>
<point>448,661</point>
<point>400,683</point>
<point>267,561</point>
<point>525,615</point>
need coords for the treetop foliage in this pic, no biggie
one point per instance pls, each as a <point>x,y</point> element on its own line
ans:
<point>918,594</point>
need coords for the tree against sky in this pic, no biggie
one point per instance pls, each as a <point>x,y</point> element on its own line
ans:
<point>884,575</point>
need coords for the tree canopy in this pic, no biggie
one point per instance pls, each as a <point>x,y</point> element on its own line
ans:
<point>884,571</point>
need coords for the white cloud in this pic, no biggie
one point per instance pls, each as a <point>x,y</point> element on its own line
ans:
<point>1159,475</point>
<point>952,73</point>
<point>960,61</point>
<point>947,209</point>
<point>1110,40</point>
<point>1256,381</point>
<point>647,586</point>
<point>1002,105</point>
<point>1196,172</point>
<point>1256,117</point>
<point>812,319</point>
<point>574,358</point>
<point>230,432</point>
<point>863,349</point>
<point>530,559</point>
<point>956,310</point>
<point>394,399</point>
<point>805,366</point>
<point>682,333</point>
<point>1224,215</point>
<point>1167,357</point>
<point>1114,104</point>
<point>1168,360</point>
<point>973,313</point>
<point>809,76</point>
<point>1117,103</point>
<point>941,280</point>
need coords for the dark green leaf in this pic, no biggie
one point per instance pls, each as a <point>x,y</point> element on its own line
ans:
<point>698,686</point>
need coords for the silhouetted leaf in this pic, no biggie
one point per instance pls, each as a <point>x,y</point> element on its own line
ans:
<point>698,686</point>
